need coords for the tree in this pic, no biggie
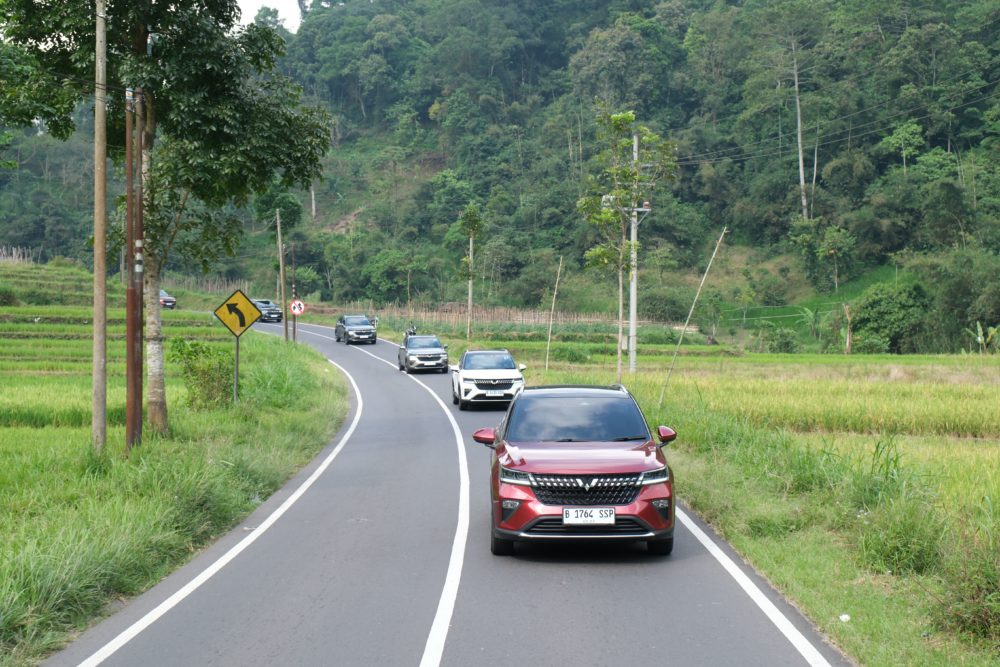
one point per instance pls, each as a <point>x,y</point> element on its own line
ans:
<point>619,189</point>
<point>472,224</point>
<point>836,247</point>
<point>220,123</point>
<point>905,140</point>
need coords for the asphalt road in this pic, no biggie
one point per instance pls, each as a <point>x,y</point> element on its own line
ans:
<point>377,553</point>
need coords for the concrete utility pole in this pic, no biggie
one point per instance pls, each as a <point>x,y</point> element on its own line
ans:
<point>99,405</point>
<point>281,273</point>
<point>633,286</point>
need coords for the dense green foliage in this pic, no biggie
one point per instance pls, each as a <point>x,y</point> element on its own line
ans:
<point>439,103</point>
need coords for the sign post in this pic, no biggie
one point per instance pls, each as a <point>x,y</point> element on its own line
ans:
<point>297,308</point>
<point>238,313</point>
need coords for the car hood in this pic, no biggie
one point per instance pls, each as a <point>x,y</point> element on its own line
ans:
<point>570,458</point>
<point>359,327</point>
<point>492,374</point>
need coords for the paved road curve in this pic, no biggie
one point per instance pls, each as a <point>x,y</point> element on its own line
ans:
<point>378,554</point>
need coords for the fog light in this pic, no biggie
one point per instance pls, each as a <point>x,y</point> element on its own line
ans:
<point>662,506</point>
<point>508,507</point>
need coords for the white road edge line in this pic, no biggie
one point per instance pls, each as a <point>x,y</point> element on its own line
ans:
<point>792,634</point>
<point>133,630</point>
<point>434,648</point>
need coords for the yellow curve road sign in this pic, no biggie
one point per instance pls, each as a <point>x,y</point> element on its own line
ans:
<point>238,313</point>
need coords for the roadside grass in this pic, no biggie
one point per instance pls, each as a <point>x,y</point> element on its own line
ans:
<point>893,527</point>
<point>80,529</point>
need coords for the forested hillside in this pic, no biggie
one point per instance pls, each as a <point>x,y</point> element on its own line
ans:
<point>845,135</point>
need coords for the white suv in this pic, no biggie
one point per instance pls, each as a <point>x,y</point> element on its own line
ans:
<point>485,376</point>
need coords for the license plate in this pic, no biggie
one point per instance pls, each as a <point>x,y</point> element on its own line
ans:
<point>588,516</point>
<point>494,392</point>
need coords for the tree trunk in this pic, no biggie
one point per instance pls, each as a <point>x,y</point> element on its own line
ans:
<point>156,389</point>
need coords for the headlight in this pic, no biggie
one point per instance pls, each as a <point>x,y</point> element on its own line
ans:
<point>468,381</point>
<point>655,476</point>
<point>515,477</point>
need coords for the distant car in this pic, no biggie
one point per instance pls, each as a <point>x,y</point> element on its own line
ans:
<point>485,376</point>
<point>578,463</point>
<point>422,353</point>
<point>269,310</point>
<point>167,301</point>
<point>355,329</point>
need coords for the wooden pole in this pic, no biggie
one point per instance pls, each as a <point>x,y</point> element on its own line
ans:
<point>281,274</point>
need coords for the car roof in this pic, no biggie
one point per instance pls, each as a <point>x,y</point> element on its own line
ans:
<point>487,351</point>
<point>421,337</point>
<point>578,390</point>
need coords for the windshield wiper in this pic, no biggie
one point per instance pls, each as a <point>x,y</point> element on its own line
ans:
<point>625,438</point>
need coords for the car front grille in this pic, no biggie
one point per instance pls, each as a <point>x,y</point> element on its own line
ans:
<point>554,526</point>
<point>488,385</point>
<point>429,357</point>
<point>586,490</point>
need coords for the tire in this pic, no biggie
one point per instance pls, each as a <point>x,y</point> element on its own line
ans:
<point>660,547</point>
<point>454,398</point>
<point>500,546</point>
<point>400,364</point>
<point>463,405</point>
<point>444,370</point>
<point>336,336</point>
<point>374,340</point>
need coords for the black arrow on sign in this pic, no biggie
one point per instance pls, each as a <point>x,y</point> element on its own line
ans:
<point>234,310</point>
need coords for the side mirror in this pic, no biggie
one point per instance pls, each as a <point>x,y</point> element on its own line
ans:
<point>486,436</point>
<point>453,368</point>
<point>522,367</point>
<point>666,434</point>
<point>444,347</point>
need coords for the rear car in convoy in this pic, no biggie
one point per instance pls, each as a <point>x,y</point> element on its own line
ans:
<point>355,329</point>
<point>485,376</point>
<point>269,310</point>
<point>421,352</point>
<point>578,463</point>
<point>167,301</point>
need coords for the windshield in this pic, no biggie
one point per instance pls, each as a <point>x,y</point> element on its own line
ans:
<point>489,361</point>
<point>576,419</point>
<point>265,303</point>
<point>422,342</point>
<point>357,320</point>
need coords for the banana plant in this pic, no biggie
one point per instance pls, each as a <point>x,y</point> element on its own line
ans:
<point>984,339</point>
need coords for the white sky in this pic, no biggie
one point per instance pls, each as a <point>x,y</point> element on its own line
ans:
<point>288,10</point>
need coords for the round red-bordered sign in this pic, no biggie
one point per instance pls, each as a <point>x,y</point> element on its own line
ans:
<point>297,307</point>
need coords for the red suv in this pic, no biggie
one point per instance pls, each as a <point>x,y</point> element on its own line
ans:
<point>578,463</point>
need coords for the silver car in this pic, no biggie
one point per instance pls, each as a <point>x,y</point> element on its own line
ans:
<point>355,329</point>
<point>422,353</point>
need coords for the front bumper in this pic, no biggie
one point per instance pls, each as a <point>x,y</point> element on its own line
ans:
<point>418,364</point>
<point>481,392</point>
<point>535,521</point>
<point>359,336</point>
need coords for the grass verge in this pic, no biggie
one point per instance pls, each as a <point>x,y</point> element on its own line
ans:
<point>82,529</point>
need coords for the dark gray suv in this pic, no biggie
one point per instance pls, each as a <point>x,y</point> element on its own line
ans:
<point>355,329</point>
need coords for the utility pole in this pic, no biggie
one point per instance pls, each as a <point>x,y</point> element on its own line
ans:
<point>99,405</point>
<point>295,318</point>
<point>633,286</point>
<point>281,273</point>
<point>133,291</point>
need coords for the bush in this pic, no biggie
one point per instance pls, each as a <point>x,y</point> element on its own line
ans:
<point>972,578</point>
<point>207,372</point>
<point>8,297</point>
<point>570,353</point>
<point>903,535</point>
<point>870,344</point>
